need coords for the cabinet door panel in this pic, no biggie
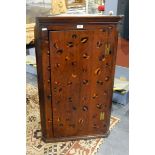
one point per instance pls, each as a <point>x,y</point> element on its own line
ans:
<point>79,82</point>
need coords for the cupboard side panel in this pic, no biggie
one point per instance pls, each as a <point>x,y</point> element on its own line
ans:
<point>43,73</point>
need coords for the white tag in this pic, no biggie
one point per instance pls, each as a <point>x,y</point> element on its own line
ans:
<point>44,29</point>
<point>79,26</point>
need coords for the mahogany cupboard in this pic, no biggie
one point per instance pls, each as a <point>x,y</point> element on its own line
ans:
<point>75,65</point>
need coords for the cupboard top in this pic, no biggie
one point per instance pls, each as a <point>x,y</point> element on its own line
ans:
<point>91,19</point>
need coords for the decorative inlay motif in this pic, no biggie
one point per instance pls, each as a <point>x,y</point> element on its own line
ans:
<point>55,89</point>
<point>99,44</point>
<point>73,63</point>
<point>99,106</point>
<point>57,83</point>
<point>102,58</point>
<point>57,65</point>
<point>99,82</point>
<point>67,58</point>
<point>56,45</point>
<point>98,71</point>
<point>60,89</point>
<point>81,121</point>
<point>59,51</point>
<point>84,70</point>
<point>107,65</point>
<point>84,40</point>
<point>70,99</point>
<point>95,96</point>
<point>58,119</point>
<point>85,82</point>
<point>104,29</point>
<point>74,36</point>
<point>107,78</point>
<point>84,98</point>
<point>49,68</point>
<point>85,108</point>
<point>74,75</point>
<point>69,44</point>
<point>69,83</point>
<point>95,126</point>
<point>74,108</point>
<point>109,29</point>
<point>85,56</point>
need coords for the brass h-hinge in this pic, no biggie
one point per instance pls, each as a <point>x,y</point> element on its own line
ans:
<point>107,49</point>
<point>101,116</point>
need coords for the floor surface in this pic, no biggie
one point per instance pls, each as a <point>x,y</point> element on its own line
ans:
<point>117,142</point>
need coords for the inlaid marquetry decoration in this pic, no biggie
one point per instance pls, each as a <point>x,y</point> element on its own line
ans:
<point>99,106</point>
<point>72,51</point>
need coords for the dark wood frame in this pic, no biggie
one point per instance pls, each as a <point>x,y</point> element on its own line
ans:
<point>43,25</point>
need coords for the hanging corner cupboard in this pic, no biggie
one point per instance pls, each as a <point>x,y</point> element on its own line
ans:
<point>76,58</point>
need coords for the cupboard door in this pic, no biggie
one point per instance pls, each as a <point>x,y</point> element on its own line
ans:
<point>80,84</point>
<point>65,79</point>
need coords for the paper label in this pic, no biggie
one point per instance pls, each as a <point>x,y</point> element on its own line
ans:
<point>44,29</point>
<point>79,26</point>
